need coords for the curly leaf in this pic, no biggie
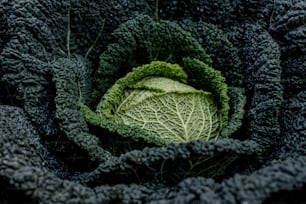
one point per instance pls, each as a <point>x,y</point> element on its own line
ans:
<point>149,87</point>
<point>175,117</point>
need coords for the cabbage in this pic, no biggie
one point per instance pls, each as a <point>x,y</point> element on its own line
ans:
<point>57,53</point>
<point>156,98</point>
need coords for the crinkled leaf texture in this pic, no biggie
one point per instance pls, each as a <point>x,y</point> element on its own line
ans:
<point>175,117</point>
<point>169,109</point>
<point>258,46</point>
<point>150,87</point>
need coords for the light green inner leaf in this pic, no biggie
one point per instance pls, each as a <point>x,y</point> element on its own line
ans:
<point>148,87</point>
<point>175,117</point>
<point>155,98</point>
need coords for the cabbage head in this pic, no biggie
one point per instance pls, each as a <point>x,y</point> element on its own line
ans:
<point>156,99</point>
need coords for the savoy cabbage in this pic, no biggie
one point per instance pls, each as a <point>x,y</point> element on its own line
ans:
<point>61,60</point>
<point>154,98</point>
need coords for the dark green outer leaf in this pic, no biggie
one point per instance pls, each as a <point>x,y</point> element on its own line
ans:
<point>279,181</point>
<point>139,42</point>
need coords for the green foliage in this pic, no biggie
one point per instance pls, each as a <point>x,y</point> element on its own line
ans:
<point>154,98</point>
<point>51,155</point>
<point>217,45</point>
<point>140,41</point>
<point>204,77</point>
<point>158,69</point>
<point>72,82</point>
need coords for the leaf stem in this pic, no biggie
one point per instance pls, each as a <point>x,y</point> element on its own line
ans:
<point>156,10</point>
<point>148,6</point>
<point>79,90</point>
<point>68,30</point>
<point>96,39</point>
